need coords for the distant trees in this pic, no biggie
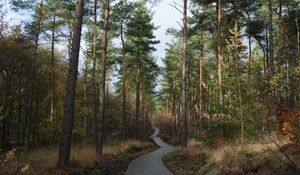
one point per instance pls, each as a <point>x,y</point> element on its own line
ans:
<point>16,69</point>
<point>121,15</point>
<point>36,109</point>
<point>141,39</point>
<point>206,87</point>
<point>247,76</point>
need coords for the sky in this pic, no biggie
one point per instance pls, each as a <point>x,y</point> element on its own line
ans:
<point>166,17</point>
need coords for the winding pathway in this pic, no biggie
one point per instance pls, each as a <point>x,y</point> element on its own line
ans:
<point>151,163</point>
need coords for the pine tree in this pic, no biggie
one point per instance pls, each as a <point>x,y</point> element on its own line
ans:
<point>65,145</point>
<point>102,79</point>
<point>141,38</point>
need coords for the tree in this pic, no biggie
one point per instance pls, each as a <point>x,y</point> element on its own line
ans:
<point>171,82</point>
<point>141,38</point>
<point>52,23</point>
<point>66,139</point>
<point>183,111</point>
<point>121,15</point>
<point>94,86</point>
<point>219,54</point>
<point>34,31</point>
<point>102,79</point>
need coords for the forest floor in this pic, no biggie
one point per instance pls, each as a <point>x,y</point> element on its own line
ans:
<point>253,159</point>
<point>117,156</point>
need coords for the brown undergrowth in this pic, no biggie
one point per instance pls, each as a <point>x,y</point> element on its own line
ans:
<point>232,159</point>
<point>115,160</point>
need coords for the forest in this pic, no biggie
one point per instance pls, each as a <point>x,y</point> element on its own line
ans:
<point>82,90</point>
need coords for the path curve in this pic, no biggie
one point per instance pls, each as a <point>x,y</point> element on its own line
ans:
<point>151,163</point>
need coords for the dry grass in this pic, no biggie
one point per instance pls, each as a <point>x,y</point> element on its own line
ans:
<point>232,159</point>
<point>43,160</point>
<point>84,155</point>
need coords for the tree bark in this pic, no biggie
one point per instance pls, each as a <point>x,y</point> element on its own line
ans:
<point>52,69</point>
<point>271,59</point>
<point>298,55</point>
<point>137,97</point>
<point>183,111</point>
<point>124,64</point>
<point>173,111</point>
<point>85,99</point>
<point>6,114</point>
<point>66,139</point>
<point>201,79</point>
<point>279,37</point>
<point>201,73</point>
<point>95,99</point>
<point>271,40</point>
<point>219,56</point>
<point>102,78</point>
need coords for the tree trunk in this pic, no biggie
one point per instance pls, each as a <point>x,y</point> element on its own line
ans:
<point>271,59</point>
<point>52,70</point>
<point>201,79</point>
<point>28,115</point>
<point>298,36</point>
<point>267,62</point>
<point>142,105</point>
<point>124,64</point>
<point>183,111</point>
<point>249,55</point>
<point>102,78</point>
<point>290,91</point>
<point>66,139</point>
<point>271,40</point>
<point>201,74</point>
<point>298,56</point>
<point>137,98</point>
<point>85,99</point>
<point>95,99</point>
<point>219,56</point>
<point>279,37</point>
<point>6,115</point>
<point>173,113</point>
<point>19,134</point>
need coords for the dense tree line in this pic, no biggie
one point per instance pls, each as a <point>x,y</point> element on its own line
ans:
<point>230,72</point>
<point>43,104</point>
<point>241,70</point>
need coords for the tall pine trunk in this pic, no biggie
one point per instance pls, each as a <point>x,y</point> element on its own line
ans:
<point>124,64</point>
<point>95,99</point>
<point>137,95</point>
<point>102,77</point>
<point>219,56</point>
<point>66,139</point>
<point>271,59</point>
<point>52,69</point>
<point>183,111</point>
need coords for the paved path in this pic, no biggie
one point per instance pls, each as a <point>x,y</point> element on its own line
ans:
<point>151,163</point>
